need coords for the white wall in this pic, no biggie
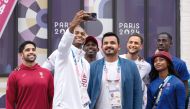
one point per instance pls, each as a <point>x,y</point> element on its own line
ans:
<point>185,31</point>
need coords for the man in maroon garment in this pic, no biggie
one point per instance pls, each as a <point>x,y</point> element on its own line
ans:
<point>29,86</point>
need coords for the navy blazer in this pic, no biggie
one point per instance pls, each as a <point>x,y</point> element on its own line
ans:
<point>130,83</point>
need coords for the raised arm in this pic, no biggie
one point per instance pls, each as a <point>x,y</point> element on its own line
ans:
<point>67,39</point>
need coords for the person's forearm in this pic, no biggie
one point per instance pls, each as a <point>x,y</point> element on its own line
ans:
<point>78,18</point>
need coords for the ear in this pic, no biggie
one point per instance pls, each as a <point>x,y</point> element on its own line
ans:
<point>21,55</point>
<point>119,48</point>
<point>141,46</point>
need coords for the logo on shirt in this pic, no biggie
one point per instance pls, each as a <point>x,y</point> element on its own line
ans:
<point>23,75</point>
<point>167,86</point>
<point>41,74</point>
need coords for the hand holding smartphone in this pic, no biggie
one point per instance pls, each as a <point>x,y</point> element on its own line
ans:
<point>90,17</point>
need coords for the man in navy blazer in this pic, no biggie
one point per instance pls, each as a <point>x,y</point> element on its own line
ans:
<point>114,82</point>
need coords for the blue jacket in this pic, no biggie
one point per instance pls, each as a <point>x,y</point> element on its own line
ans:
<point>172,97</point>
<point>130,83</point>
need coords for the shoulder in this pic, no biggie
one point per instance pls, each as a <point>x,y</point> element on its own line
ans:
<point>177,83</point>
<point>97,62</point>
<point>144,66</point>
<point>14,74</point>
<point>143,62</point>
<point>16,71</point>
<point>181,67</point>
<point>85,62</point>
<point>127,61</point>
<point>129,66</point>
<point>46,71</point>
<point>177,60</point>
<point>176,80</point>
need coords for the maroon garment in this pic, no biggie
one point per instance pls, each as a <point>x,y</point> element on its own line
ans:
<point>30,88</point>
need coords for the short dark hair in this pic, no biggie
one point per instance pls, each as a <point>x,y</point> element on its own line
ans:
<point>166,33</point>
<point>108,34</point>
<point>21,47</point>
<point>138,35</point>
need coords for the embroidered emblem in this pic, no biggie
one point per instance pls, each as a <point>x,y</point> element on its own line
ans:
<point>23,75</point>
<point>41,74</point>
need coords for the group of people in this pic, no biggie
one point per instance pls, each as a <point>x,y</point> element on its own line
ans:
<point>82,81</point>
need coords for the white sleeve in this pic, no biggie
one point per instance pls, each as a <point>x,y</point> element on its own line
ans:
<point>50,62</point>
<point>65,44</point>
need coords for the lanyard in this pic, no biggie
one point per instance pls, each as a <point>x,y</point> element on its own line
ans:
<point>159,93</point>
<point>76,65</point>
<point>83,82</point>
<point>165,81</point>
<point>113,86</point>
<point>118,72</point>
<point>82,76</point>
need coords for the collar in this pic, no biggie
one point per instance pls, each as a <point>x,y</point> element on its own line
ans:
<point>78,52</point>
<point>22,66</point>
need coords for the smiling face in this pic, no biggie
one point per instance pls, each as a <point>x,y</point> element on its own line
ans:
<point>134,45</point>
<point>28,54</point>
<point>110,46</point>
<point>160,64</point>
<point>80,36</point>
<point>91,48</point>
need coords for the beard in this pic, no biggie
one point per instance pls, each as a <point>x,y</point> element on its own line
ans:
<point>134,52</point>
<point>110,51</point>
<point>30,58</point>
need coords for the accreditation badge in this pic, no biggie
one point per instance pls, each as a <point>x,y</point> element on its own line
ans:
<point>84,97</point>
<point>115,94</point>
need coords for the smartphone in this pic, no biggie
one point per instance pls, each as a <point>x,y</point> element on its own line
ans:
<point>91,17</point>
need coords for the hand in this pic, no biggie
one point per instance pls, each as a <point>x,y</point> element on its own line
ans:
<point>78,18</point>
